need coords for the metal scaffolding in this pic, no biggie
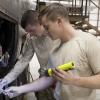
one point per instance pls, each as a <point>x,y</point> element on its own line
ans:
<point>80,13</point>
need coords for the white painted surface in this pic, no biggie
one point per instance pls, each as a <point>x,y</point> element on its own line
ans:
<point>34,67</point>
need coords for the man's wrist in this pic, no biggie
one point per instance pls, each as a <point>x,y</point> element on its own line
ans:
<point>22,89</point>
<point>5,82</point>
<point>77,81</point>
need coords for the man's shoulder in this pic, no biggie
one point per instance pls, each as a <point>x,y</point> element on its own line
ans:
<point>87,40</point>
<point>86,36</point>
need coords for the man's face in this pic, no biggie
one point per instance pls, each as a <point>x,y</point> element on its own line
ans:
<point>35,30</point>
<point>52,28</point>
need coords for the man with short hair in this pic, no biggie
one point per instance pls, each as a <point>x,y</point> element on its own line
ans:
<point>36,41</point>
<point>80,47</point>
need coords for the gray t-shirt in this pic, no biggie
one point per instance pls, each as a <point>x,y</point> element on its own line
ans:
<point>41,45</point>
<point>84,50</point>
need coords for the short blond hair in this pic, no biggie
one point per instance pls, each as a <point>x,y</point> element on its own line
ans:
<point>53,11</point>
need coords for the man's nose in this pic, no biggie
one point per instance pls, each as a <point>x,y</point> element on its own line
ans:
<point>46,32</point>
<point>33,30</point>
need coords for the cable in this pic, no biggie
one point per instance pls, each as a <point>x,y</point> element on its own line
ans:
<point>95,4</point>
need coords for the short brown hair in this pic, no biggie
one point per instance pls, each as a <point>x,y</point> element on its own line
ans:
<point>53,11</point>
<point>30,16</point>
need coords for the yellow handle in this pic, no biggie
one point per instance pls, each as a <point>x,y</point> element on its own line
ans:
<point>67,66</point>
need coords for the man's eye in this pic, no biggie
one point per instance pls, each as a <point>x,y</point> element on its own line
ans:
<point>46,27</point>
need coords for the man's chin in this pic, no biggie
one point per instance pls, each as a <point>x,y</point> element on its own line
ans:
<point>53,38</point>
<point>37,35</point>
<point>44,35</point>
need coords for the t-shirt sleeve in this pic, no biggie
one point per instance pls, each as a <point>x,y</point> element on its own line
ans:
<point>93,54</point>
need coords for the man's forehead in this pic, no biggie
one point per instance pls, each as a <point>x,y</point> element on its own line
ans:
<point>44,19</point>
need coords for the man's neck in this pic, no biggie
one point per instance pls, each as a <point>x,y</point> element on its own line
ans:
<point>68,32</point>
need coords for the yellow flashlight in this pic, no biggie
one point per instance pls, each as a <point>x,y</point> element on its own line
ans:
<point>65,67</point>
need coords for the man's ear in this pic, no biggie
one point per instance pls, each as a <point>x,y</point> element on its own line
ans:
<point>59,20</point>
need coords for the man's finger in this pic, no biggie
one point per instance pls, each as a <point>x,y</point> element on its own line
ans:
<point>61,71</point>
<point>56,77</point>
<point>8,90</point>
<point>1,91</point>
<point>71,73</point>
<point>58,74</point>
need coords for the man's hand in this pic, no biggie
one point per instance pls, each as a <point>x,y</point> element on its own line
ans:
<point>66,77</point>
<point>3,83</point>
<point>12,92</point>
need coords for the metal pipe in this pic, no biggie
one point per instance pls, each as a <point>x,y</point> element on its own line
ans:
<point>37,5</point>
<point>98,14</point>
<point>86,8</point>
